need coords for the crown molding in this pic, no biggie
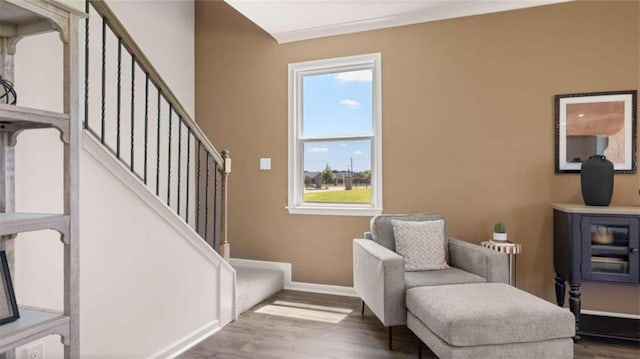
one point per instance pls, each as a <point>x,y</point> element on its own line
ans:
<point>452,10</point>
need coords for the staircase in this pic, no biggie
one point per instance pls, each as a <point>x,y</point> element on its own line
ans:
<point>141,122</point>
<point>132,115</point>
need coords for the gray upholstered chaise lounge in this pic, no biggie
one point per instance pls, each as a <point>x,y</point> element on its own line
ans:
<point>380,280</point>
<point>455,311</point>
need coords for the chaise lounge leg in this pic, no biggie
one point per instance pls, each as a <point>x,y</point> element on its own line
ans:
<point>419,349</point>
<point>390,338</point>
<point>362,309</point>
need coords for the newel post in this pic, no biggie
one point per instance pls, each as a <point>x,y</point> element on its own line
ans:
<point>224,248</point>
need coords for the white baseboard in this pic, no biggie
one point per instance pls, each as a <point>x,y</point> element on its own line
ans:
<point>182,345</point>
<point>322,288</point>
<point>610,314</point>
<point>297,286</point>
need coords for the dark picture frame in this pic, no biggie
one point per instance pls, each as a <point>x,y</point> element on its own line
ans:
<point>8,305</point>
<point>596,123</point>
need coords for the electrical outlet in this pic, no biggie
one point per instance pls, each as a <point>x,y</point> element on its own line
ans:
<point>35,351</point>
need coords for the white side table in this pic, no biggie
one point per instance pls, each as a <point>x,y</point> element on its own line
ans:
<point>512,252</point>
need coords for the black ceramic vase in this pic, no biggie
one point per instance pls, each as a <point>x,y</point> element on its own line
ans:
<point>596,179</point>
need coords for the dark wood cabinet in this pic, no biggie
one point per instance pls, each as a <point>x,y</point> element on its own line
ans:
<point>594,244</point>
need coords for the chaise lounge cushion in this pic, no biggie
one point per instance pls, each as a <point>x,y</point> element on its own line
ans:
<point>488,313</point>
<point>450,275</point>
<point>382,229</point>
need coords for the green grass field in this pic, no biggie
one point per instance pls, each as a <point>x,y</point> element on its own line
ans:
<point>361,195</point>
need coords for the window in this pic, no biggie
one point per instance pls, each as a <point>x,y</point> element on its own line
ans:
<point>335,144</point>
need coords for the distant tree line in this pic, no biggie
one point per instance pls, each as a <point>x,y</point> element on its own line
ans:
<point>329,176</point>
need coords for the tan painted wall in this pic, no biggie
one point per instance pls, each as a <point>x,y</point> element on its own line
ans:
<point>468,128</point>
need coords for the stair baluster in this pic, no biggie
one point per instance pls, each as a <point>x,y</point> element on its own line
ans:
<point>115,41</point>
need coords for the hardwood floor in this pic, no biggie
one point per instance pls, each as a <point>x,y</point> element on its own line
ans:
<point>307,325</point>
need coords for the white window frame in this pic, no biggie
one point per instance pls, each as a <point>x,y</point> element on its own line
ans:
<point>297,71</point>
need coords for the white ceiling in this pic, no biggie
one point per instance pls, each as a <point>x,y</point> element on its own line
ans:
<point>295,20</point>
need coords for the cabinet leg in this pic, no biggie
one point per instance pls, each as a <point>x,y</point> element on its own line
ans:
<point>560,291</point>
<point>574,305</point>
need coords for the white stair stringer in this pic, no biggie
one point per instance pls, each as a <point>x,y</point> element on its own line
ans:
<point>220,275</point>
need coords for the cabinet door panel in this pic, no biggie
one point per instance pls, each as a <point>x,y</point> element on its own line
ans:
<point>610,248</point>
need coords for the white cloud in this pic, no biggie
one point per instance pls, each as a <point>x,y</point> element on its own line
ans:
<point>358,153</point>
<point>318,149</point>
<point>349,103</point>
<point>360,75</point>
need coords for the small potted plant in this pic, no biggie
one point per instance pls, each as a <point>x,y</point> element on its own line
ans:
<point>500,231</point>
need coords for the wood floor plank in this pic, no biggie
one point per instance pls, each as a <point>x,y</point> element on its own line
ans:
<point>258,335</point>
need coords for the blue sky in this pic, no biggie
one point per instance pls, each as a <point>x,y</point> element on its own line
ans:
<point>337,104</point>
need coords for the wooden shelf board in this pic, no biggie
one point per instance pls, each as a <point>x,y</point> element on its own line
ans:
<point>581,208</point>
<point>30,117</point>
<point>20,18</point>
<point>32,325</point>
<point>13,15</point>
<point>11,223</point>
<point>605,249</point>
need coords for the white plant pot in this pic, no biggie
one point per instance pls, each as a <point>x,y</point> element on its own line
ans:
<point>502,237</point>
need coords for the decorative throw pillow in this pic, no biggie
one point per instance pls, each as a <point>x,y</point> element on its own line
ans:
<point>421,244</point>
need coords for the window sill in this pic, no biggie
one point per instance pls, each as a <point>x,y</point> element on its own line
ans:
<point>335,211</point>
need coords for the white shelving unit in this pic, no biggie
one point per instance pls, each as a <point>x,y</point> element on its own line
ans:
<point>18,19</point>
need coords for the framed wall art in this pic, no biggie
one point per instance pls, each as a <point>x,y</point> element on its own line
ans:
<point>597,123</point>
<point>8,306</point>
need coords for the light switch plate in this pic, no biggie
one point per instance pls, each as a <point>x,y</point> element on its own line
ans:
<point>265,164</point>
